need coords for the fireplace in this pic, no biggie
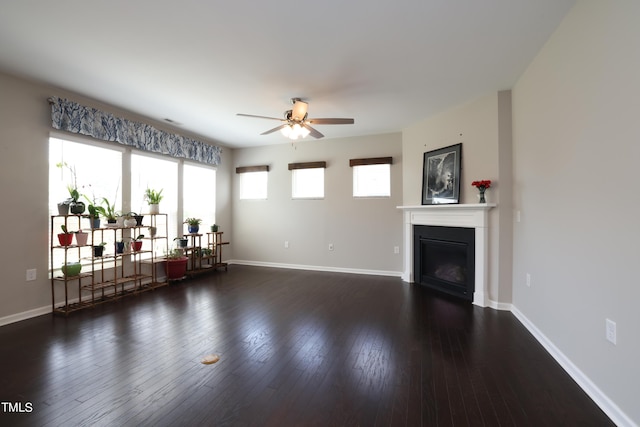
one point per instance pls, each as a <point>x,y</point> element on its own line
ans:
<point>444,259</point>
<point>474,217</point>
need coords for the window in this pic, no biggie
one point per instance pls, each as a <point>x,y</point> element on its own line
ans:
<point>371,177</point>
<point>98,170</point>
<point>253,182</point>
<point>307,180</point>
<point>93,169</point>
<point>148,171</point>
<point>199,195</point>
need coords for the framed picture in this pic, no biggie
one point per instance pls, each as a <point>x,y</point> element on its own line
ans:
<point>441,175</point>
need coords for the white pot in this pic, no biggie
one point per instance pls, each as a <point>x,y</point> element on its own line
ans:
<point>130,222</point>
<point>154,208</point>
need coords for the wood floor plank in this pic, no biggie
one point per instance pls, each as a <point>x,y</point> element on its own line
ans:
<point>296,348</point>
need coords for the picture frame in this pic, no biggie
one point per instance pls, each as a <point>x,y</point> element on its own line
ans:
<point>441,173</point>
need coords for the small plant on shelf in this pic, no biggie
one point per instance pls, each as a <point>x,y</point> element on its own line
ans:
<point>193,224</point>
<point>108,210</point>
<point>153,199</point>
<point>136,243</point>
<point>181,241</point>
<point>98,250</point>
<point>65,238</point>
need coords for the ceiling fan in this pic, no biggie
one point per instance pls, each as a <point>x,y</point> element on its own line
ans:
<point>296,123</point>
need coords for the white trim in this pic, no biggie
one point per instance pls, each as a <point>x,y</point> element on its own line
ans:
<point>612,410</point>
<point>25,315</point>
<point>316,268</point>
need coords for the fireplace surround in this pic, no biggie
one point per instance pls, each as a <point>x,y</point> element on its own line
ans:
<point>474,216</point>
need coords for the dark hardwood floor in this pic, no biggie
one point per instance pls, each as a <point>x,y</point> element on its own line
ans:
<point>296,348</point>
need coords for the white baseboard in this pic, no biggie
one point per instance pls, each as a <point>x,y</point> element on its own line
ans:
<point>25,315</point>
<point>317,268</point>
<point>602,400</point>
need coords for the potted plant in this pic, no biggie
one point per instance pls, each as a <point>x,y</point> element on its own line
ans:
<point>153,198</point>
<point>81,237</point>
<point>65,238</point>
<point>71,269</point>
<point>129,219</point>
<point>176,264</point>
<point>214,228</point>
<point>152,231</point>
<point>206,252</point>
<point>73,202</point>
<point>108,211</point>
<point>98,250</point>
<point>182,241</point>
<point>94,211</point>
<point>193,224</point>
<point>138,219</point>
<point>136,243</point>
<point>120,247</point>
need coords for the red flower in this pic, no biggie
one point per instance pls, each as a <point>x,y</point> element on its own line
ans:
<point>485,183</point>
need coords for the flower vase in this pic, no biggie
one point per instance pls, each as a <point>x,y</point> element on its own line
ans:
<point>481,195</point>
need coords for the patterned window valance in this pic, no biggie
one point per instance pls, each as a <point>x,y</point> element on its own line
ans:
<point>72,117</point>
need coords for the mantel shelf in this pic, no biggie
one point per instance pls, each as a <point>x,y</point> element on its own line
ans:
<point>457,207</point>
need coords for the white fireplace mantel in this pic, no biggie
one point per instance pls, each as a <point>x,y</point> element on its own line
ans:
<point>474,216</point>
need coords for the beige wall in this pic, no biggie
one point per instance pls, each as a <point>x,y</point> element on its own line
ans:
<point>576,155</point>
<point>363,231</point>
<point>483,128</point>
<point>25,124</point>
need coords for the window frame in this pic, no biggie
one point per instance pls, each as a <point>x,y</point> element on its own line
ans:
<point>295,168</point>
<point>245,171</point>
<point>372,161</point>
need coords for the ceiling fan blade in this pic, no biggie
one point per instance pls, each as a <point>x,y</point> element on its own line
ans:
<point>274,129</point>
<point>331,121</point>
<point>314,133</point>
<point>299,110</point>
<point>259,117</point>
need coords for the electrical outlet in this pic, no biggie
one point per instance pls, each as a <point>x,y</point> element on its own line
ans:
<point>610,331</point>
<point>31,274</point>
<point>330,246</point>
<point>528,280</point>
<point>396,250</point>
<point>286,244</point>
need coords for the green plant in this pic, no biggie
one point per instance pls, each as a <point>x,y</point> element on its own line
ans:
<point>136,239</point>
<point>108,210</point>
<point>64,229</point>
<point>192,221</point>
<point>175,254</point>
<point>153,197</point>
<point>101,244</point>
<point>73,188</point>
<point>206,252</point>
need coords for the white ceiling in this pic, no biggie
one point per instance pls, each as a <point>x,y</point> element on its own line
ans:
<point>387,64</point>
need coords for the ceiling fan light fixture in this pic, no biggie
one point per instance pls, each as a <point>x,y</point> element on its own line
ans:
<point>286,131</point>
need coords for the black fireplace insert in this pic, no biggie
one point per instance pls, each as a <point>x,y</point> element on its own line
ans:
<point>444,259</point>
